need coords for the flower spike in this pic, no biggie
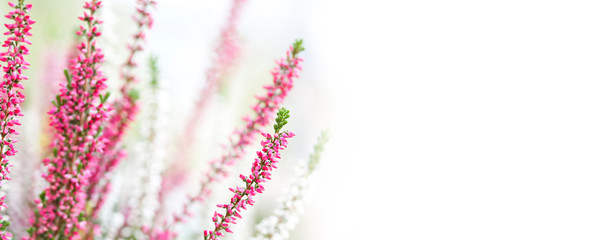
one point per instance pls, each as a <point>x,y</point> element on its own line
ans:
<point>11,90</point>
<point>76,118</point>
<point>261,169</point>
<point>290,205</point>
<point>283,75</point>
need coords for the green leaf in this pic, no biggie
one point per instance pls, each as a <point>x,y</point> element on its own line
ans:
<point>153,66</point>
<point>134,94</point>
<point>58,101</point>
<point>5,224</point>
<point>42,197</point>
<point>314,157</point>
<point>104,97</point>
<point>69,78</point>
<point>297,47</point>
<point>281,120</point>
<point>99,132</point>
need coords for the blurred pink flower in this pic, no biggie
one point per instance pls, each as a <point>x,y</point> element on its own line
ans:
<point>225,55</point>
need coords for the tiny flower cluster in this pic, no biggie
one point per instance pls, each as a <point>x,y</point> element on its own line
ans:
<point>11,90</point>
<point>265,162</point>
<point>77,116</point>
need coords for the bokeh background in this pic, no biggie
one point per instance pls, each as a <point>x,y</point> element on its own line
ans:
<point>449,119</point>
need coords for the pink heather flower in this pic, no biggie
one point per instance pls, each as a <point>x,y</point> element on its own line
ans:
<point>226,54</point>
<point>286,215</point>
<point>125,110</point>
<point>11,87</point>
<point>77,117</point>
<point>261,169</point>
<point>283,76</point>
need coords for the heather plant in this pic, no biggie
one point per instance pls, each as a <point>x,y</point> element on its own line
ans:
<point>101,179</point>
<point>284,73</point>
<point>12,90</point>
<point>77,117</point>
<point>266,161</point>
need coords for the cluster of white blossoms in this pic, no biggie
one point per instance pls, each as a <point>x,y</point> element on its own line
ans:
<point>290,205</point>
<point>152,158</point>
<point>147,160</point>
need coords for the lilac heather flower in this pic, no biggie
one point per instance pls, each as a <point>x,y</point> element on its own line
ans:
<point>11,87</point>
<point>77,116</point>
<point>290,206</point>
<point>261,169</point>
<point>283,76</point>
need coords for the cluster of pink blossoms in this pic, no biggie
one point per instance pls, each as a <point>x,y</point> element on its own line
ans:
<point>283,75</point>
<point>261,169</point>
<point>87,134</point>
<point>77,117</point>
<point>11,88</point>
<point>125,110</point>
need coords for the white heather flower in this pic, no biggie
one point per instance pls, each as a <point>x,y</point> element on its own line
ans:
<point>152,165</point>
<point>148,157</point>
<point>290,206</point>
<point>144,166</point>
